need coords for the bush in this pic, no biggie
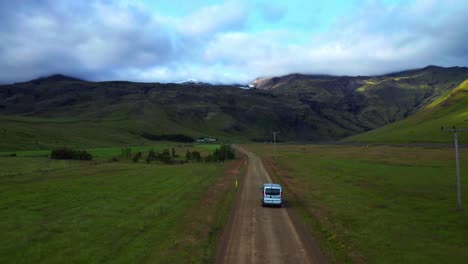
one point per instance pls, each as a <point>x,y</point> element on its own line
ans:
<point>196,156</point>
<point>188,155</point>
<point>225,152</point>
<point>173,153</point>
<point>151,156</point>
<point>126,153</point>
<point>165,157</point>
<point>68,153</point>
<point>209,158</point>
<point>137,157</point>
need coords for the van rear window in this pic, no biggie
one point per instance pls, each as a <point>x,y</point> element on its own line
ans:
<point>272,191</point>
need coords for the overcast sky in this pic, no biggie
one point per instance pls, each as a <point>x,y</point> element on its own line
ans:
<point>231,41</point>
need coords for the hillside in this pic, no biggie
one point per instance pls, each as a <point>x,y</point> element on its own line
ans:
<point>44,113</point>
<point>61,110</point>
<point>424,126</point>
<point>364,103</point>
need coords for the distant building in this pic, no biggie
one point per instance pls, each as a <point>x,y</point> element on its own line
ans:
<point>207,140</point>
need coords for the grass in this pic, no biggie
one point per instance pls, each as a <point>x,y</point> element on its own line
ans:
<point>377,204</point>
<point>34,133</point>
<point>55,211</point>
<point>424,126</point>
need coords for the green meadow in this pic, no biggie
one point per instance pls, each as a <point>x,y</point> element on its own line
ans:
<point>63,211</point>
<point>377,204</point>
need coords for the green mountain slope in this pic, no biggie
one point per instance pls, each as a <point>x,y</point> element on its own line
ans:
<point>424,126</point>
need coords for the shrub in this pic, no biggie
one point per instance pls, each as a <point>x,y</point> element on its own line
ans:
<point>68,153</point>
<point>165,157</point>
<point>209,158</point>
<point>151,156</point>
<point>126,152</point>
<point>137,157</point>
<point>196,156</point>
<point>225,152</point>
<point>188,155</point>
<point>173,153</point>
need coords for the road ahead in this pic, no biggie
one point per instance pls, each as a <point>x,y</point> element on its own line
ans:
<point>262,235</point>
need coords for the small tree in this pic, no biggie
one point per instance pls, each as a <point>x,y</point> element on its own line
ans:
<point>209,158</point>
<point>173,152</point>
<point>196,156</point>
<point>126,152</point>
<point>219,155</point>
<point>137,157</point>
<point>68,153</point>
<point>151,156</point>
<point>188,155</point>
<point>227,152</point>
<point>165,157</point>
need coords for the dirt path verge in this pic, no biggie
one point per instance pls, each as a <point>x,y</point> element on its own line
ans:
<point>255,234</point>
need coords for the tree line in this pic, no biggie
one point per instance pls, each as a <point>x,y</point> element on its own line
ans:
<point>225,152</point>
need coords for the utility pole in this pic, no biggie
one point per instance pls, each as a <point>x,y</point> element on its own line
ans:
<point>455,131</point>
<point>274,142</point>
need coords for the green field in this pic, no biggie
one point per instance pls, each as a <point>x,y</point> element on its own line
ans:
<point>424,126</point>
<point>56,211</point>
<point>377,204</point>
<point>19,133</point>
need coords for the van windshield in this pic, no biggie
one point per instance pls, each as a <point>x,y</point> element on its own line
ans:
<point>272,191</point>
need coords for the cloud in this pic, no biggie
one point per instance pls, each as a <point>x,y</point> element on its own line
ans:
<point>108,39</point>
<point>376,39</point>
<point>272,11</point>
<point>207,21</point>
<point>89,39</point>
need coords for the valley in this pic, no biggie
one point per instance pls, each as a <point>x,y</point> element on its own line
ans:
<point>382,191</point>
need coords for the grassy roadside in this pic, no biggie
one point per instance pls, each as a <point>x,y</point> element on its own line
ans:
<point>203,223</point>
<point>377,204</point>
<point>76,211</point>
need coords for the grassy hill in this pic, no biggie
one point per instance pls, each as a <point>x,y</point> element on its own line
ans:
<point>424,126</point>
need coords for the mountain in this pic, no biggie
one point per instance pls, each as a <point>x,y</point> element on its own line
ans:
<point>362,103</point>
<point>44,114</point>
<point>425,125</point>
<point>56,78</point>
<point>62,110</point>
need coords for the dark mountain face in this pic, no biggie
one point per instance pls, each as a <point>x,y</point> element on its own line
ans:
<point>301,107</point>
<point>363,103</point>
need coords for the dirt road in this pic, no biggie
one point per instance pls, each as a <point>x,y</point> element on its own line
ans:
<point>255,234</point>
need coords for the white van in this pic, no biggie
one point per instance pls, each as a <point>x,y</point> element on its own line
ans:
<point>272,194</point>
